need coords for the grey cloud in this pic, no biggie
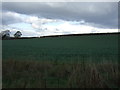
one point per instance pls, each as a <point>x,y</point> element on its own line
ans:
<point>9,18</point>
<point>103,13</point>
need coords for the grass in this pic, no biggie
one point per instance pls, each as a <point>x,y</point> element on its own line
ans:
<point>48,74</point>
<point>61,62</point>
<point>64,48</point>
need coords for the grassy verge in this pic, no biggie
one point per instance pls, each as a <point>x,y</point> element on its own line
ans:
<point>52,74</point>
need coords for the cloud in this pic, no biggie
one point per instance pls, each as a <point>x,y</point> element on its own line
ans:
<point>68,27</point>
<point>9,17</point>
<point>102,13</point>
<point>65,27</point>
<point>56,18</point>
<point>13,17</point>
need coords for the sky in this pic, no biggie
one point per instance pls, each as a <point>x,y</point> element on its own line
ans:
<point>58,18</point>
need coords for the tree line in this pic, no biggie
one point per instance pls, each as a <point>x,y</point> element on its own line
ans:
<point>6,34</point>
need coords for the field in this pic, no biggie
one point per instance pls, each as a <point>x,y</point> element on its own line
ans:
<point>88,61</point>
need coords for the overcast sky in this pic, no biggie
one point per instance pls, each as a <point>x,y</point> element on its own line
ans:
<point>53,18</point>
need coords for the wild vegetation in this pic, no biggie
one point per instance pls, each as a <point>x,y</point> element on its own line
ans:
<point>47,74</point>
<point>70,62</point>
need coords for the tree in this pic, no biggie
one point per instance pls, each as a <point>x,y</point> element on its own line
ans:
<point>17,34</point>
<point>5,34</point>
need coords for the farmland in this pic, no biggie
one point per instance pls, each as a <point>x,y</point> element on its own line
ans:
<point>62,61</point>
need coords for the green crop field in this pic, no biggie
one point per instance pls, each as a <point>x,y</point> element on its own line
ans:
<point>61,48</point>
<point>62,61</point>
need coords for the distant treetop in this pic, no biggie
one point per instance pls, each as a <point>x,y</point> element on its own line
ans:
<point>17,34</point>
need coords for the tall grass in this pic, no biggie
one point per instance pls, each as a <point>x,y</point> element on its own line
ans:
<point>51,74</point>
